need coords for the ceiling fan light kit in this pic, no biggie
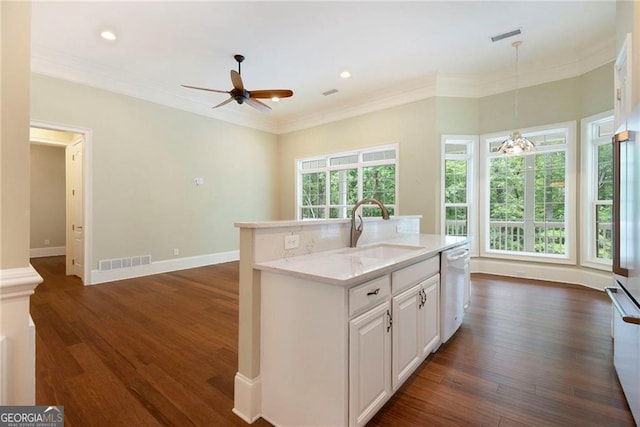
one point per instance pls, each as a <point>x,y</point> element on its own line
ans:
<point>516,144</point>
<point>242,95</point>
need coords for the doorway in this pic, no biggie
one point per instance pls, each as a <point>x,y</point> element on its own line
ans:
<point>76,145</point>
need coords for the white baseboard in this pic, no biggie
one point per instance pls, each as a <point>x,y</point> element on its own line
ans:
<point>590,278</point>
<point>48,251</point>
<point>247,396</point>
<point>159,267</point>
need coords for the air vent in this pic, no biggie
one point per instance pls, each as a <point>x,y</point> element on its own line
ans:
<point>127,262</point>
<point>330,92</point>
<point>506,35</point>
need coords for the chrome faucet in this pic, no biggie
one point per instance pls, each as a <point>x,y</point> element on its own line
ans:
<point>357,231</point>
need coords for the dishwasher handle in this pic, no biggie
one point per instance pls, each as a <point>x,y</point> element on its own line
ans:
<point>627,318</point>
<point>455,256</point>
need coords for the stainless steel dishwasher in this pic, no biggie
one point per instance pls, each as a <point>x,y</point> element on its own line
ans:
<point>454,289</point>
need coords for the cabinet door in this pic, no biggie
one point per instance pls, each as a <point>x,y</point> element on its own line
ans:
<point>407,351</point>
<point>369,363</point>
<point>430,315</point>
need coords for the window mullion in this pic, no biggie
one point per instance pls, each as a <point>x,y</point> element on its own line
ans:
<point>529,203</point>
<point>327,192</point>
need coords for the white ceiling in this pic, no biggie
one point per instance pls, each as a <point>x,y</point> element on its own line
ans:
<point>397,52</point>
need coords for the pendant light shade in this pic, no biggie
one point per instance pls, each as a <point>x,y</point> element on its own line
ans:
<point>516,144</point>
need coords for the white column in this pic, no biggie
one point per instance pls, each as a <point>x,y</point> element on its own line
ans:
<point>17,337</point>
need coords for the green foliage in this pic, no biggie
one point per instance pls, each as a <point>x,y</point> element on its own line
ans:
<point>511,180</point>
<point>378,182</point>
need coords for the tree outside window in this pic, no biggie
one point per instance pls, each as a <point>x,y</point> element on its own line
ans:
<point>329,186</point>
<point>528,209</point>
<point>597,190</point>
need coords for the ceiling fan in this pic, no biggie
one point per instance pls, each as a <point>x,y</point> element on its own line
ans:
<point>242,95</point>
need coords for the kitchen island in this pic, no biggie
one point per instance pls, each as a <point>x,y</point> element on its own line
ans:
<point>340,329</point>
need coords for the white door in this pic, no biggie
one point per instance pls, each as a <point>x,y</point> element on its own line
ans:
<point>369,363</point>
<point>75,248</point>
<point>407,350</point>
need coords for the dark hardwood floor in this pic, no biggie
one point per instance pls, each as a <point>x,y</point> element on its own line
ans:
<point>162,350</point>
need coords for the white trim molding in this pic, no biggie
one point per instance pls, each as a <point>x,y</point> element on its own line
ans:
<point>594,279</point>
<point>17,349</point>
<point>18,282</point>
<point>247,395</point>
<point>48,251</point>
<point>164,266</point>
<point>87,172</point>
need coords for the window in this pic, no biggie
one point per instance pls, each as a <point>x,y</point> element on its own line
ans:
<point>458,190</point>
<point>528,199</point>
<point>597,190</point>
<point>329,186</point>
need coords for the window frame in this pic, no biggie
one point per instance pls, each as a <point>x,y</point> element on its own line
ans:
<point>472,184</point>
<point>327,168</point>
<point>569,257</point>
<point>588,188</point>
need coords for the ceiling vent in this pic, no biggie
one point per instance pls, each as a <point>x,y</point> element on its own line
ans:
<point>330,92</point>
<point>506,35</point>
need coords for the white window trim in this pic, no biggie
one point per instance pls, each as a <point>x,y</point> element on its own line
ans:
<point>472,185</point>
<point>328,168</point>
<point>570,195</point>
<point>588,192</point>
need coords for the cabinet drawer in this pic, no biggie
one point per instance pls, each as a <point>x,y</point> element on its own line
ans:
<point>415,273</point>
<point>369,294</point>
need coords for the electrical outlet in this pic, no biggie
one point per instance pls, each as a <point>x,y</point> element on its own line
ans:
<point>176,251</point>
<point>291,241</point>
<point>47,242</point>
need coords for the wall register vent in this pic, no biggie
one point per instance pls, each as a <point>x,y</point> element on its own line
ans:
<point>117,263</point>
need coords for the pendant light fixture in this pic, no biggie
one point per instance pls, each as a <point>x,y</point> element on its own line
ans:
<point>516,143</point>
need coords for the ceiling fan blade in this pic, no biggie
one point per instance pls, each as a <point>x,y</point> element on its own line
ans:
<point>236,80</point>
<point>204,88</point>
<point>226,101</point>
<point>271,93</point>
<point>258,105</point>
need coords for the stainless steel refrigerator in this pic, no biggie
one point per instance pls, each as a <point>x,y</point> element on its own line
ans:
<point>625,292</point>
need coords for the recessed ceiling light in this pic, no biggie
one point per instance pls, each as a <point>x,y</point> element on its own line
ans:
<point>108,35</point>
<point>275,99</point>
<point>345,74</point>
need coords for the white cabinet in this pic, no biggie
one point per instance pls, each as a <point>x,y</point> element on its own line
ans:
<point>407,350</point>
<point>430,315</point>
<point>416,327</point>
<point>369,363</point>
<point>333,355</point>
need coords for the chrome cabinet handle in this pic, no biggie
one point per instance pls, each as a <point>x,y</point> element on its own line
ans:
<point>389,321</point>
<point>376,292</point>
<point>628,318</point>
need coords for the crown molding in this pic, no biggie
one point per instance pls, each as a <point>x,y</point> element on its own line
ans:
<point>480,85</point>
<point>390,99</point>
<point>71,68</point>
<point>74,69</point>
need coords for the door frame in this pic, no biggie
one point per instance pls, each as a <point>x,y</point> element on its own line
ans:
<point>87,181</point>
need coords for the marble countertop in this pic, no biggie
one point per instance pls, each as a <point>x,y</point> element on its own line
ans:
<point>351,266</point>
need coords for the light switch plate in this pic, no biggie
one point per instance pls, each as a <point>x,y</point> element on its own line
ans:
<point>291,241</point>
